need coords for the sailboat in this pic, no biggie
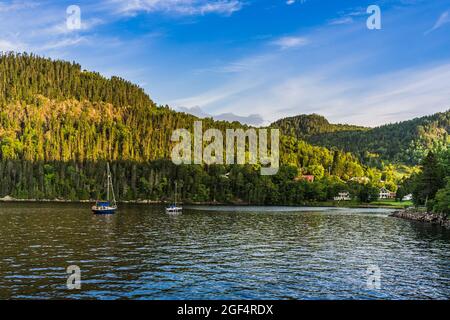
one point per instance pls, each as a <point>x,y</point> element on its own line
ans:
<point>173,208</point>
<point>108,206</point>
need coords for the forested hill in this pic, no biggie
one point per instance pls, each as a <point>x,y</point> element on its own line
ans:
<point>23,76</point>
<point>307,125</point>
<point>54,111</point>
<point>60,124</point>
<point>403,142</point>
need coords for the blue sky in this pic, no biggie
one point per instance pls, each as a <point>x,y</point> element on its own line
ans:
<point>254,60</point>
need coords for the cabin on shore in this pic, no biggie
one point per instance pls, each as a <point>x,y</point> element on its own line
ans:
<point>386,194</point>
<point>408,197</point>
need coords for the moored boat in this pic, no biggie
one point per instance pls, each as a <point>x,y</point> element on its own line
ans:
<point>173,208</point>
<point>108,206</point>
<point>104,207</point>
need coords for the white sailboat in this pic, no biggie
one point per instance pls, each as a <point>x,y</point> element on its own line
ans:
<point>108,206</point>
<point>173,208</point>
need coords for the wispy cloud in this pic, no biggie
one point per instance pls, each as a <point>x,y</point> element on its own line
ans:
<point>348,16</point>
<point>346,84</point>
<point>7,45</point>
<point>363,101</point>
<point>290,42</point>
<point>237,66</point>
<point>10,6</point>
<point>65,42</point>
<point>40,27</point>
<point>217,95</point>
<point>443,19</point>
<point>367,101</point>
<point>179,7</point>
<point>343,20</point>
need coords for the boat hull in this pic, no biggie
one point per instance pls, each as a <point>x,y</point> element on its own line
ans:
<point>174,210</point>
<point>105,210</point>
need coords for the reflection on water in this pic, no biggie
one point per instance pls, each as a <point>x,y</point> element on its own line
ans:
<point>219,253</point>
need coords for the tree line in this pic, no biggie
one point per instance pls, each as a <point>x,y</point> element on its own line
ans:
<point>431,186</point>
<point>155,181</point>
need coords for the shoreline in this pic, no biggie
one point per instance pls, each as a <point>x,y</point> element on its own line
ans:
<point>330,204</point>
<point>427,217</point>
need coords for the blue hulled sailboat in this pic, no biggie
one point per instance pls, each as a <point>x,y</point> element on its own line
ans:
<point>174,208</point>
<point>108,206</point>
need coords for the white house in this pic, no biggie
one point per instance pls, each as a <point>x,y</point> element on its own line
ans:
<point>408,197</point>
<point>343,196</point>
<point>386,194</point>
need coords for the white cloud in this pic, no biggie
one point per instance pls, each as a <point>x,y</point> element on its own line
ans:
<point>41,28</point>
<point>7,45</point>
<point>443,19</point>
<point>9,6</point>
<point>275,88</point>
<point>290,42</point>
<point>343,75</point>
<point>241,65</point>
<point>370,101</point>
<point>65,42</point>
<point>179,7</point>
<point>226,92</point>
<point>343,20</point>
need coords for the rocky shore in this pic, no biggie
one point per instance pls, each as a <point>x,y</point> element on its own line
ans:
<point>412,214</point>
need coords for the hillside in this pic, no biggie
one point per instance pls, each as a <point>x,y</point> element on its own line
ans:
<point>404,142</point>
<point>59,124</point>
<point>304,126</point>
<point>23,76</point>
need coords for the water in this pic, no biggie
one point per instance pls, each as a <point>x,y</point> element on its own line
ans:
<point>219,253</point>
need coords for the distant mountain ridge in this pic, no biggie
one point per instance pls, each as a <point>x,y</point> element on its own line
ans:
<point>307,125</point>
<point>402,142</point>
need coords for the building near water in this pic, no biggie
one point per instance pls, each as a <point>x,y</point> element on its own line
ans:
<point>386,194</point>
<point>408,197</point>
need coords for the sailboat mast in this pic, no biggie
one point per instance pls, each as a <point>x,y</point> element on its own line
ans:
<point>110,185</point>
<point>108,180</point>
<point>113,195</point>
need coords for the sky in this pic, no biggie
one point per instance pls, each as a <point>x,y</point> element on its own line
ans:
<point>254,61</point>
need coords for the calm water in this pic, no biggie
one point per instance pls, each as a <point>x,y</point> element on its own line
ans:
<point>219,253</point>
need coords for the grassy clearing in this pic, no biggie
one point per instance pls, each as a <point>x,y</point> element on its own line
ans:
<point>356,204</point>
<point>392,203</point>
